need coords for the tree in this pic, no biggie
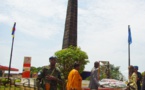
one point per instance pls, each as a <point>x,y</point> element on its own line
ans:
<point>143,75</point>
<point>67,57</point>
<point>114,72</point>
<point>35,70</point>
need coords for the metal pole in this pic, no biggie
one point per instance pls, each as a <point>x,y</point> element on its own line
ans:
<point>10,58</point>
<point>128,54</point>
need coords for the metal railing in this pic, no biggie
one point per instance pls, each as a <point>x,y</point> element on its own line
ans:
<point>18,84</point>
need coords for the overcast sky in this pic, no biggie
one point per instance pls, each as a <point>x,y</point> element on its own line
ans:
<point>102,31</point>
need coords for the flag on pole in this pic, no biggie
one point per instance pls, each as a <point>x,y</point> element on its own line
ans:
<point>14,29</point>
<point>129,35</point>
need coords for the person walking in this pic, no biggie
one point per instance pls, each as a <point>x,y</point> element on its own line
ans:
<point>50,75</point>
<point>94,81</point>
<point>139,77</point>
<point>74,81</point>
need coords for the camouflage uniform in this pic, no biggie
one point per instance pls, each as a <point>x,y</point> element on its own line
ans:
<point>48,71</point>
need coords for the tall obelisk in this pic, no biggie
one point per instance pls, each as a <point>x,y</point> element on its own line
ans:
<point>70,32</point>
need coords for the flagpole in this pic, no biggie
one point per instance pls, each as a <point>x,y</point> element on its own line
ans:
<point>128,54</point>
<point>13,32</point>
<point>129,42</point>
<point>10,57</point>
<point>128,51</point>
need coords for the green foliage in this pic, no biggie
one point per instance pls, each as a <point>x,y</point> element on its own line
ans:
<point>114,72</point>
<point>4,81</point>
<point>143,74</point>
<point>17,80</point>
<point>67,57</point>
<point>35,69</point>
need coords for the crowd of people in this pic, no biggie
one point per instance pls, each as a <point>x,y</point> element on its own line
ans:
<point>50,77</point>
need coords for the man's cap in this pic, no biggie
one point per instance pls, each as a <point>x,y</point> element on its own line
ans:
<point>136,67</point>
<point>52,57</point>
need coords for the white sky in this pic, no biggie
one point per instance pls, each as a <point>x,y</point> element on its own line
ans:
<point>102,31</point>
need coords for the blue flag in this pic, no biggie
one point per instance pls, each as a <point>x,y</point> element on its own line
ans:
<point>129,35</point>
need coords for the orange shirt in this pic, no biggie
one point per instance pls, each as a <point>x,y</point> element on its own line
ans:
<point>74,80</point>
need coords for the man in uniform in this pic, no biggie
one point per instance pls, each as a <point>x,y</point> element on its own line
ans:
<point>50,75</point>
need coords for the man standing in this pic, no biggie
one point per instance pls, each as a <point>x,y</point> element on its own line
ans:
<point>139,77</point>
<point>50,75</point>
<point>94,82</point>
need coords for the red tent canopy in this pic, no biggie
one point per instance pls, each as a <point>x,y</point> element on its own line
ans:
<point>7,68</point>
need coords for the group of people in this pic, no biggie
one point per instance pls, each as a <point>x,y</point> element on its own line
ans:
<point>135,79</point>
<point>50,76</point>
